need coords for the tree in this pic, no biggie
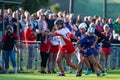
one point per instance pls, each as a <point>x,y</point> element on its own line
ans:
<point>34,5</point>
<point>55,8</point>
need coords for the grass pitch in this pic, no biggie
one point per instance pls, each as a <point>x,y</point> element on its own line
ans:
<point>111,75</point>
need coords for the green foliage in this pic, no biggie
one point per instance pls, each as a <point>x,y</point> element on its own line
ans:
<point>34,5</point>
<point>55,8</point>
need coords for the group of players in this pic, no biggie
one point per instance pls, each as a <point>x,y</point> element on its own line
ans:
<point>87,43</point>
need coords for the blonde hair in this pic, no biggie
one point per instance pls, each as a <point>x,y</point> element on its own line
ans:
<point>116,36</point>
<point>106,27</point>
<point>118,20</point>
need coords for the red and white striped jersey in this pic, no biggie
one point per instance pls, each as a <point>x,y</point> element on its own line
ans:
<point>64,36</point>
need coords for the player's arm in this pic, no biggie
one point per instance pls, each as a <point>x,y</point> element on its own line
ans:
<point>95,42</point>
<point>45,33</point>
<point>48,34</point>
<point>79,45</point>
<point>73,37</point>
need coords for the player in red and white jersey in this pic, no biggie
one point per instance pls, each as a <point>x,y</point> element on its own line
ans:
<point>66,46</point>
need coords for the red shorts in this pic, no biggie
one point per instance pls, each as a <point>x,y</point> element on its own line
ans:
<point>107,51</point>
<point>54,49</point>
<point>67,49</point>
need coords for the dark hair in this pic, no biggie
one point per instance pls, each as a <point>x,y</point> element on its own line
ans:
<point>58,22</point>
<point>8,27</point>
<point>14,20</point>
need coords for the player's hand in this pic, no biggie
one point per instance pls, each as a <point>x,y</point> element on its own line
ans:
<point>85,51</point>
<point>37,30</point>
<point>93,47</point>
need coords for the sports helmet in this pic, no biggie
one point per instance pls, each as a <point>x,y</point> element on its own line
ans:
<point>91,30</point>
<point>59,22</point>
<point>82,25</point>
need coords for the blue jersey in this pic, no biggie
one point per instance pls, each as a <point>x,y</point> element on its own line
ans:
<point>87,42</point>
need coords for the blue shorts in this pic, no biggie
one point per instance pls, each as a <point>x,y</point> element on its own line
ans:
<point>81,52</point>
<point>90,52</point>
<point>94,52</point>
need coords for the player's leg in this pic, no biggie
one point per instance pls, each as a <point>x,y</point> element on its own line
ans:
<point>99,66</point>
<point>79,67</point>
<point>93,61</point>
<point>60,56</point>
<point>68,58</point>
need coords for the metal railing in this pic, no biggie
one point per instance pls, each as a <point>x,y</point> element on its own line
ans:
<point>22,55</point>
<point>24,50</point>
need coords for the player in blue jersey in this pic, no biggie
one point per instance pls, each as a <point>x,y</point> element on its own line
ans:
<point>88,46</point>
<point>82,34</point>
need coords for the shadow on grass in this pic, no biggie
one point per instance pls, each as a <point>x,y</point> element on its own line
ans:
<point>20,71</point>
<point>14,78</point>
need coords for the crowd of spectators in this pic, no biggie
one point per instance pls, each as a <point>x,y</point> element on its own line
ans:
<point>24,25</point>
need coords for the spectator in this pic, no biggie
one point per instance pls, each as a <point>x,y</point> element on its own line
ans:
<point>6,19</point>
<point>104,21</point>
<point>22,23</point>
<point>95,17</point>
<point>98,26</point>
<point>10,13</point>
<point>79,20</point>
<point>116,25</point>
<point>54,16</point>
<point>30,36</point>
<point>97,33</point>
<point>110,23</point>
<point>21,10</point>
<point>14,25</point>
<point>73,26</point>
<point>42,26</point>
<point>115,39</point>
<point>33,19</point>
<point>14,15</point>
<point>22,26</point>
<point>28,19</point>
<point>8,40</point>
<point>60,16</point>
<point>86,21</point>
<point>51,22</point>
<point>44,53</point>
<point>89,19</point>
<point>106,47</point>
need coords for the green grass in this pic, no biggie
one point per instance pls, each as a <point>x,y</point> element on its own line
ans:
<point>112,75</point>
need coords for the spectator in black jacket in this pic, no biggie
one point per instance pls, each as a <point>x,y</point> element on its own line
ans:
<point>8,40</point>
